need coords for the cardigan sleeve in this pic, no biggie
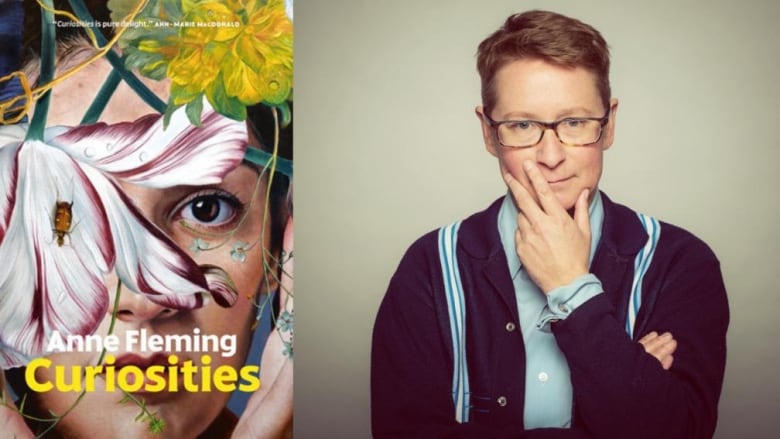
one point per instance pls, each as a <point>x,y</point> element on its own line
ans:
<point>619,389</point>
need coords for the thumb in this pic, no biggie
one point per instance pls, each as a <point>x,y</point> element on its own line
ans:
<point>581,214</point>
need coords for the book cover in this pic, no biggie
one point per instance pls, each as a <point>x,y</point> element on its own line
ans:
<point>146,218</point>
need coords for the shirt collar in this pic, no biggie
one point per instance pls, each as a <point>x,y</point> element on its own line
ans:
<point>507,224</point>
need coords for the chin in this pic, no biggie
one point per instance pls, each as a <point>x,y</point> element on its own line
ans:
<point>567,201</point>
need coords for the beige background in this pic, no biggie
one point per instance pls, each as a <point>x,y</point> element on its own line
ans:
<point>387,148</point>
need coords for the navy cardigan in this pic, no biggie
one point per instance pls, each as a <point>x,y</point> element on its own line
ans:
<point>619,390</point>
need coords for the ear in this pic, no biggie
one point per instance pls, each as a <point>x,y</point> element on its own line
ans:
<point>609,129</point>
<point>487,131</point>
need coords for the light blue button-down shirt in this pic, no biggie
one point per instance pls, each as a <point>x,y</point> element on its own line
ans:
<point>548,390</point>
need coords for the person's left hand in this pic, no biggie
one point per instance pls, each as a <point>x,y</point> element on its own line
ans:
<point>269,412</point>
<point>661,347</point>
<point>553,247</point>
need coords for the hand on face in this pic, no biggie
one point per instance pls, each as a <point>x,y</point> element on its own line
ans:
<point>553,246</point>
<point>268,413</point>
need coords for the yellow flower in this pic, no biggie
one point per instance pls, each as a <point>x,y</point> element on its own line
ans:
<point>234,52</point>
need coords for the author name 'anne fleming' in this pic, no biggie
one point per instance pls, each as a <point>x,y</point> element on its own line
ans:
<point>139,340</point>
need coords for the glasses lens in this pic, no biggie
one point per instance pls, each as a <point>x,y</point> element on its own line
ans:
<point>519,133</point>
<point>579,131</point>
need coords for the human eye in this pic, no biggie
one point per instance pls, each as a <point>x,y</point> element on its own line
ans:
<point>519,125</point>
<point>212,209</point>
<point>574,122</point>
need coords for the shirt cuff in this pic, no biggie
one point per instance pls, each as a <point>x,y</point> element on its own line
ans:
<point>563,301</point>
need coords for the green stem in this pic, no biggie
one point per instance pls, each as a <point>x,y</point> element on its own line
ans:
<point>261,158</point>
<point>48,57</point>
<point>82,12</point>
<point>101,99</point>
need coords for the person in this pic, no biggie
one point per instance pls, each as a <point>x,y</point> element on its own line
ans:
<point>197,212</point>
<point>556,312</point>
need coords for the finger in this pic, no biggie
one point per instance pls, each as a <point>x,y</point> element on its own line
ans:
<point>581,212</point>
<point>654,348</point>
<point>652,344</point>
<point>524,226</point>
<point>668,348</point>
<point>664,350</point>
<point>646,339</point>
<point>667,362</point>
<point>524,201</point>
<point>660,347</point>
<point>662,340</point>
<point>547,199</point>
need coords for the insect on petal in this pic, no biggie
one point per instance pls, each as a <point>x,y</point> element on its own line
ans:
<point>52,276</point>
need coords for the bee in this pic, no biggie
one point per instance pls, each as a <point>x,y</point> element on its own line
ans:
<point>63,219</point>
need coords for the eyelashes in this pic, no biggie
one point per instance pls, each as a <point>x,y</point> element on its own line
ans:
<point>213,210</point>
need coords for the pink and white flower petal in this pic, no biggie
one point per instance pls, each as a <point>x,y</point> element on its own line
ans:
<point>8,172</point>
<point>221,286</point>
<point>147,261</point>
<point>10,357</point>
<point>52,279</point>
<point>146,154</point>
<point>12,134</point>
<point>11,137</point>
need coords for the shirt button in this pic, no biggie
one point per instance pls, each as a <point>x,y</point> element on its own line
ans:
<point>543,377</point>
<point>563,308</point>
<point>510,327</point>
<point>501,401</point>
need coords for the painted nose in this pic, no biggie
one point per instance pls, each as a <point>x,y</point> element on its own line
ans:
<point>134,307</point>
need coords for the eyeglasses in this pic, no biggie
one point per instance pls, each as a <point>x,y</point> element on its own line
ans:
<point>571,131</point>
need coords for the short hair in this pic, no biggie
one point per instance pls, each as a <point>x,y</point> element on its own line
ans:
<point>546,36</point>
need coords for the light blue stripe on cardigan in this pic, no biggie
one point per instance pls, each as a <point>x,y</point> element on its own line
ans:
<point>448,238</point>
<point>641,264</point>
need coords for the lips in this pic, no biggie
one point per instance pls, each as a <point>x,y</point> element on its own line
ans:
<point>140,362</point>
<point>558,180</point>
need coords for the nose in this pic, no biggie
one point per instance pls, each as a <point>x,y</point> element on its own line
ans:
<point>551,151</point>
<point>134,307</point>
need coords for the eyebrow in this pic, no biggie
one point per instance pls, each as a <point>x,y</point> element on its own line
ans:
<point>562,114</point>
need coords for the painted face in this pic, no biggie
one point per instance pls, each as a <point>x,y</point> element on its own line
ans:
<point>221,225</point>
<point>536,90</point>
